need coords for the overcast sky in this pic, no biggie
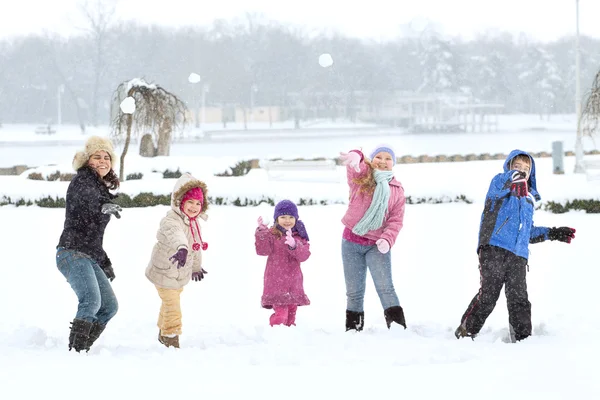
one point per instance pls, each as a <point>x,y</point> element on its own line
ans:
<point>543,20</point>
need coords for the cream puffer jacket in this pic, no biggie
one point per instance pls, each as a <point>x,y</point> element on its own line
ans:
<point>174,233</point>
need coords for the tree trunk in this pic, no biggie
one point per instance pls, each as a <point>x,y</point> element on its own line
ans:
<point>125,147</point>
<point>80,116</point>
<point>164,138</point>
<point>270,114</point>
<point>147,148</point>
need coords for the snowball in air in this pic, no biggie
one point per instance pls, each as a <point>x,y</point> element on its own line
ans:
<point>325,60</point>
<point>128,105</point>
<point>194,78</point>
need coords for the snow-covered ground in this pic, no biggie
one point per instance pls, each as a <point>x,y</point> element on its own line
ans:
<point>229,350</point>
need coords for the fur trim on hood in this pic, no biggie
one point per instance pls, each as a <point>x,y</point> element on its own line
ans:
<point>93,144</point>
<point>183,184</point>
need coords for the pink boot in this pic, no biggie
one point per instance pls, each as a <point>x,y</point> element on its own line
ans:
<point>280,316</point>
<point>291,320</point>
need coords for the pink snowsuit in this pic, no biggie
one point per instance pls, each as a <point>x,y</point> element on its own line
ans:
<point>283,280</point>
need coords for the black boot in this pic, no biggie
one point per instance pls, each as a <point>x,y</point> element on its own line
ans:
<point>355,320</point>
<point>462,332</point>
<point>80,334</point>
<point>394,314</point>
<point>95,333</point>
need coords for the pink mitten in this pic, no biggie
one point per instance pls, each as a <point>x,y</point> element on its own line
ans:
<point>383,246</point>
<point>261,224</point>
<point>289,240</point>
<point>351,159</point>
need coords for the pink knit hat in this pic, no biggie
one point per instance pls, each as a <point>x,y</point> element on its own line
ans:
<point>193,193</point>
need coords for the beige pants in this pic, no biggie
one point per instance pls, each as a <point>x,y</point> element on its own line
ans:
<point>169,318</point>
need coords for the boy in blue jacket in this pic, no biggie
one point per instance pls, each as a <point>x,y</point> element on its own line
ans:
<point>505,232</point>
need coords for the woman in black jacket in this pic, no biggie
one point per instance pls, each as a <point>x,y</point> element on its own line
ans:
<point>80,256</point>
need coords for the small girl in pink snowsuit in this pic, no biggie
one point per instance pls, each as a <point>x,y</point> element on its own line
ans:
<point>286,245</point>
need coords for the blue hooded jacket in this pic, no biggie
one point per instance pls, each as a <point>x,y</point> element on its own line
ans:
<point>507,220</point>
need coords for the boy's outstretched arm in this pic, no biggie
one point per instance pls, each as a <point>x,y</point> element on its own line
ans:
<point>562,234</point>
<point>538,234</point>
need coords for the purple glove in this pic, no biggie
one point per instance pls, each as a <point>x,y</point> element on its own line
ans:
<point>198,276</point>
<point>289,240</point>
<point>180,257</point>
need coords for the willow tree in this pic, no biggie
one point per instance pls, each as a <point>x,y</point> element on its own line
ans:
<point>590,115</point>
<point>156,110</point>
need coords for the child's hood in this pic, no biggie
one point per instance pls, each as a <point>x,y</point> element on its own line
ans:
<point>532,179</point>
<point>183,184</point>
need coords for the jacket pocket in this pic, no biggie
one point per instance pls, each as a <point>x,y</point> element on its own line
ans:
<point>501,226</point>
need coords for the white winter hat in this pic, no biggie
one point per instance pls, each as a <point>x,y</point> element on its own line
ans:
<point>93,144</point>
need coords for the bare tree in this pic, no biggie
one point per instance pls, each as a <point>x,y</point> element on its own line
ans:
<point>66,61</point>
<point>99,15</point>
<point>156,110</point>
<point>590,116</point>
<point>3,60</point>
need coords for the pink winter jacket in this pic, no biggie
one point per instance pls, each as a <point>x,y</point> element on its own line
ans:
<point>360,202</point>
<point>283,280</point>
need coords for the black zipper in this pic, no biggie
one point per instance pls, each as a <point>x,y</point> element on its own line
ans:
<point>501,226</point>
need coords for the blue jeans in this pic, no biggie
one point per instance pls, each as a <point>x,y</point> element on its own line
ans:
<point>97,301</point>
<point>356,258</point>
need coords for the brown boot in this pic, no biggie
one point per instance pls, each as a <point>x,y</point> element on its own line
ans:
<point>169,341</point>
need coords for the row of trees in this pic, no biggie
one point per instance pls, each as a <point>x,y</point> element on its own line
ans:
<point>255,61</point>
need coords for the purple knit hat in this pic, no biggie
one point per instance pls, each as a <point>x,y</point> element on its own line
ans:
<point>287,207</point>
<point>384,147</point>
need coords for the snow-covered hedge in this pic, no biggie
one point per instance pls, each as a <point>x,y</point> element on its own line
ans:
<point>591,206</point>
<point>150,200</point>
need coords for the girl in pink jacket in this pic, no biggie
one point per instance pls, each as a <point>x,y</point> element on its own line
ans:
<point>286,245</point>
<point>374,217</point>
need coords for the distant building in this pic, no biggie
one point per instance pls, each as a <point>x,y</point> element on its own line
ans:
<point>417,112</point>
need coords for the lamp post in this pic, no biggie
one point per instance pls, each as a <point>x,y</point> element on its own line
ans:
<point>194,78</point>
<point>578,143</point>
<point>253,90</point>
<point>205,89</point>
<point>59,92</point>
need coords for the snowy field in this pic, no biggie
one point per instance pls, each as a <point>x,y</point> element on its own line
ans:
<point>228,348</point>
<point>525,131</point>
